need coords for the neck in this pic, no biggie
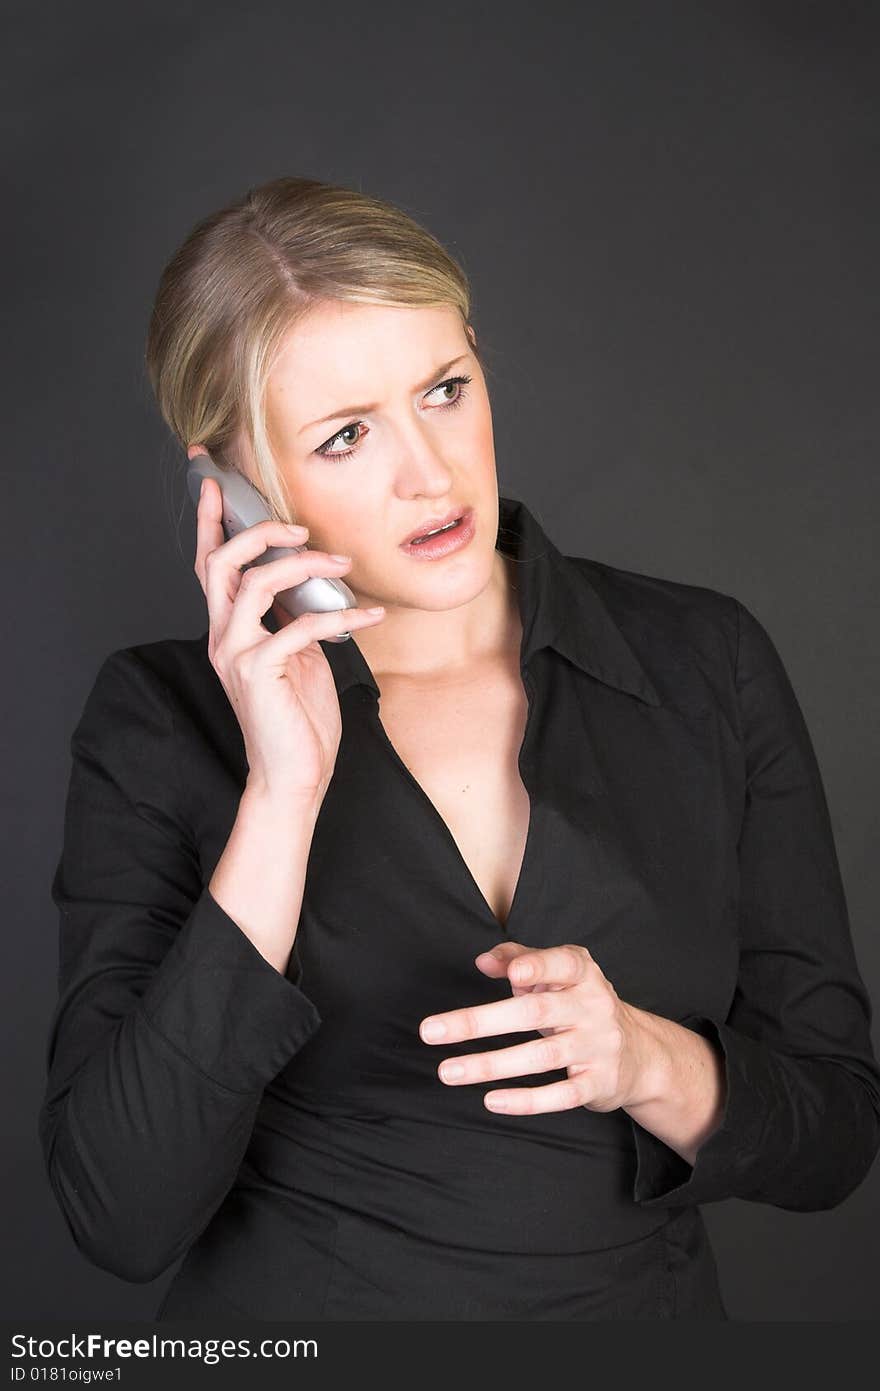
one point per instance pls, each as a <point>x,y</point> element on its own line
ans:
<point>451,645</point>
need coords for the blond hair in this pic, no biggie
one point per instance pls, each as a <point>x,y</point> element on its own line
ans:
<point>246,274</point>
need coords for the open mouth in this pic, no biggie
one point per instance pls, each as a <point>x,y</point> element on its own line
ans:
<point>443,540</point>
<point>450,526</point>
<point>440,528</point>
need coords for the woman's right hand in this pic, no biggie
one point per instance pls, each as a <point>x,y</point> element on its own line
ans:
<point>280,685</point>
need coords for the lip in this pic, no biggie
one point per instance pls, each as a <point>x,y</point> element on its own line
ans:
<point>431,523</point>
<point>447,543</point>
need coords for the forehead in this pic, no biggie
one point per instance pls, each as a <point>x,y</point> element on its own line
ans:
<point>356,352</point>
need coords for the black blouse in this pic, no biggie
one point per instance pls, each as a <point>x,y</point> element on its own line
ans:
<point>289,1134</point>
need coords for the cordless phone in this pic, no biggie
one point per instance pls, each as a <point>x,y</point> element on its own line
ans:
<point>244,506</point>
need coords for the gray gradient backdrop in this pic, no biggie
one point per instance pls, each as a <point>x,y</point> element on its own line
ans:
<point>669,214</point>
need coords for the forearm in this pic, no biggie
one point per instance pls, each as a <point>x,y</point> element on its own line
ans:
<point>145,1136</point>
<point>259,879</point>
<point>681,1093</point>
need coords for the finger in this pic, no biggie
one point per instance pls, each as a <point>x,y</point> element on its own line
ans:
<point>249,543</point>
<point>209,527</point>
<point>274,651</point>
<point>533,1101</point>
<point>496,961</point>
<point>523,1059</point>
<point>223,560</point>
<point>308,628</point>
<point>564,965</point>
<point>259,585</point>
<point>518,1014</point>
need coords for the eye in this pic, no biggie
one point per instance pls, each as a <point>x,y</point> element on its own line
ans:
<point>453,381</point>
<point>327,453</point>
<point>325,448</point>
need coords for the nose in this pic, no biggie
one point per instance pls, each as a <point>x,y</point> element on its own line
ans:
<point>422,469</point>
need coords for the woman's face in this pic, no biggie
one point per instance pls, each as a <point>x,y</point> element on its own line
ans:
<point>374,439</point>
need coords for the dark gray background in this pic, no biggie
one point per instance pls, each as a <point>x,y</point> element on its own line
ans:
<point>669,214</point>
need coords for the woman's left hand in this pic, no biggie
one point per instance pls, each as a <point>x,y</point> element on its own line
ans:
<point>586,1028</point>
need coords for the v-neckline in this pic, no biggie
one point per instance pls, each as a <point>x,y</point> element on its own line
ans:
<point>433,811</point>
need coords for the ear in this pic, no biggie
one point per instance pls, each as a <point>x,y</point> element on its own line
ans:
<point>470,333</point>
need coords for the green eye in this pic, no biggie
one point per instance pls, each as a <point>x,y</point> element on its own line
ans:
<point>326,452</point>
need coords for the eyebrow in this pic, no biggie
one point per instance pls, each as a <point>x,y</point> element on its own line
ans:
<point>365,410</point>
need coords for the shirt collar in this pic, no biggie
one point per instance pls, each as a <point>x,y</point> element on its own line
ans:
<point>560,607</point>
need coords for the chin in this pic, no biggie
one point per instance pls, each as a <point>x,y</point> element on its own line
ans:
<point>438,585</point>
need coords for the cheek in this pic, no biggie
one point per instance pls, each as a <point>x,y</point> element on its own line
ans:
<point>335,521</point>
<point>342,531</point>
<point>483,436</point>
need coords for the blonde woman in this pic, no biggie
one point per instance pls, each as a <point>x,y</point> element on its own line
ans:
<point>568,812</point>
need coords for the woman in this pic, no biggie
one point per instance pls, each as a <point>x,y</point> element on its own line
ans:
<point>569,811</point>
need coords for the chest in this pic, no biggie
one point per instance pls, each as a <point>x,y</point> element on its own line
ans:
<point>461,744</point>
<point>426,852</point>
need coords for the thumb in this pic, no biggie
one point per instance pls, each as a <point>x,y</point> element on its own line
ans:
<point>496,961</point>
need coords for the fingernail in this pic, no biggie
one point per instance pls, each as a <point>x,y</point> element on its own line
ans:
<point>497,1102</point>
<point>433,1029</point>
<point>449,1071</point>
<point>343,559</point>
<point>380,609</point>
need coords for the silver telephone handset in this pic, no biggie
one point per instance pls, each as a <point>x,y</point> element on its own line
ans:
<point>244,506</point>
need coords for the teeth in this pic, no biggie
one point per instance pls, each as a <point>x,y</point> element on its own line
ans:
<point>418,541</point>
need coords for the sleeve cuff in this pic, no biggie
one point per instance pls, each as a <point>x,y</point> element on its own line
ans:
<point>744,1135</point>
<point>224,1006</point>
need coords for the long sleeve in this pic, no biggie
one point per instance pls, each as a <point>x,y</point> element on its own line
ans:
<point>801,1121</point>
<point>169,1021</point>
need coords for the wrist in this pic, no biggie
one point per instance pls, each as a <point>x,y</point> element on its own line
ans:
<point>653,1070</point>
<point>277,805</point>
